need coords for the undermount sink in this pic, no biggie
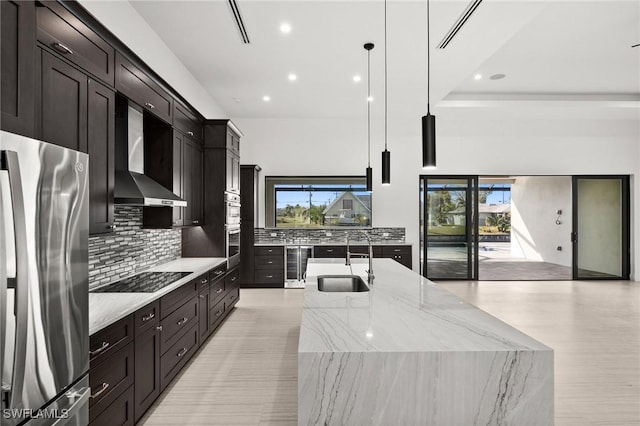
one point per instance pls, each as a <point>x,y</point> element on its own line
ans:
<point>341,283</point>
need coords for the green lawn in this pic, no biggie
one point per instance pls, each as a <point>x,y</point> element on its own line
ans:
<point>447,230</point>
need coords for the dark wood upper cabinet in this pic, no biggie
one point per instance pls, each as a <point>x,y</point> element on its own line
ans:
<point>63,113</point>
<point>61,31</point>
<point>101,148</point>
<point>192,182</point>
<point>141,89</point>
<point>186,121</point>
<point>17,67</point>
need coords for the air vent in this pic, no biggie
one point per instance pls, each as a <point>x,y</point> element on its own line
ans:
<point>239,22</point>
<point>459,23</point>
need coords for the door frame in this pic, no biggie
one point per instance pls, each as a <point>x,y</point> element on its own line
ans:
<point>471,223</point>
<point>626,226</point>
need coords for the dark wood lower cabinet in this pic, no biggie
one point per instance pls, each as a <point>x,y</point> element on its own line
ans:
<point>119,413</point>
<point>147,370</point>
<point>135,359</point>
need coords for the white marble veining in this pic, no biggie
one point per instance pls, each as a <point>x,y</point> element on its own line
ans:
<point>409,352</point>
<point>107,308</point>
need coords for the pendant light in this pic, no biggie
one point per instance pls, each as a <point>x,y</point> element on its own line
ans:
<point>428,121</point>
<point>386,155</point>
<point>368,47</point>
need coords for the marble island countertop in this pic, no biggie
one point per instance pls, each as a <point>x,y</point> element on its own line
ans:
<point>107,308</point>
<point>403,311</point>
<point>409,352</point>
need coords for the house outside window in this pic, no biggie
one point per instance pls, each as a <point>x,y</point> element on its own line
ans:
<point>317,202</point>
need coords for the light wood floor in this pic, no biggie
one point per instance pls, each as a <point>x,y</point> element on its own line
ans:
<point>246,374</point>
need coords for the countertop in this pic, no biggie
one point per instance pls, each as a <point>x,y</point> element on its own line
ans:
<point>335,243</point>
<point>107,308</point>
<point>403,311</point>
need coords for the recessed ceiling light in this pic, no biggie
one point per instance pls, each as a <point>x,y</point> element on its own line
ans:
<point>357,78</point>
<point>293,77</point>
<point>285,28</point>
<point>370,99</point>
<point>266,98</point>
<point>497,76</point>
<point>477,77</point>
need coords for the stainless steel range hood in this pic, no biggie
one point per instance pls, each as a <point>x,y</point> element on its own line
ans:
<point>132,186</point>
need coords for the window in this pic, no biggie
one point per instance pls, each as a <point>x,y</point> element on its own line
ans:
<point>317,202</point>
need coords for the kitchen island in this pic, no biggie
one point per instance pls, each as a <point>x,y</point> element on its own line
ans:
<point>410,353</point>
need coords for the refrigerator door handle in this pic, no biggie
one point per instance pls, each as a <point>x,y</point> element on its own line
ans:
<point>3,295</point>
<point>9,162</point>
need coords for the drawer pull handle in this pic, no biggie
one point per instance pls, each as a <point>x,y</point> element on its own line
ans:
<point>270,262</point>
<point>182,321</point>
<point>182,352</point>
<point>396,250</point>
<point>218,313</point>
<point>218,291</point>
<point>269,276</point>
<point>112,227</point>
<point>219,272</point>
<point>104,346</point>
<point>62,48</point>
<point>105,386</point>
<point>232,297</point>
<point>233,279</point>
<point>149,105</point>
<point>204,281</point>
<point>190,133</point>
<point>148,317</point>
<point>195,222</point>
<point>329,250</point>
<point>201,296</point>
<point>159,328</point>
<point>270,251</point>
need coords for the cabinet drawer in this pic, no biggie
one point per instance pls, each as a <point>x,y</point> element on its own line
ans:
<point>109,340</point>
<point>185,121</point>
<point>141,89</point>
<point>147,317</point>
<point>269,251</point>
<point>216,292</point>
<point>119,412</point>
<point>231,299</point>
<point>109,379</point>
<point>177,356</point>
<point>203,283</point>
<point>389,251</point>
<point>59,30</point>
<point>269,262</point>
<point>174,325</point>
<point>216,314</point>
<point>178,297</point>
<point>329,251</point>
<point>217,272</point>
<point>269,276</point>
<point>232,279</point>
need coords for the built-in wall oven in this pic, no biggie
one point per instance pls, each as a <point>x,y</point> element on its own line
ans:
<point>232,208</point>
<point>232,245</point>
<point>232,228</point>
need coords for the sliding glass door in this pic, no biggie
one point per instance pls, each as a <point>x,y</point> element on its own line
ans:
<point>600,227</point>
<point>449,227</point>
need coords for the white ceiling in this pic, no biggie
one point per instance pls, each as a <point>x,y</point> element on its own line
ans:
<point>547,49</point>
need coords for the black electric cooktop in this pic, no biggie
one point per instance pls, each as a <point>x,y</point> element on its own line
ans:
<point>145,282</point>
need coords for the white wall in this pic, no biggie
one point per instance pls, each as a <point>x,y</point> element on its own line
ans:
<point>534,232</point>
<point>490,141</point>
<point>127,24</point>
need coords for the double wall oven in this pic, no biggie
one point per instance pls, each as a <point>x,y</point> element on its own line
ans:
<point>232,228</point>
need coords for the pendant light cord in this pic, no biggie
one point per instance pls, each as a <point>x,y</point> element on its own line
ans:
<point>369,108</point>
<point>428,61</point>
<point>385,75</point>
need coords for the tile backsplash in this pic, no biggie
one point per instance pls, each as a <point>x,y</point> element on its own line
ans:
<point>319,236</point>
<point>130,249</point>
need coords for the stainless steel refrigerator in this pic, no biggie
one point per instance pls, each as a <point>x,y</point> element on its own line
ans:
<point>44,321</point>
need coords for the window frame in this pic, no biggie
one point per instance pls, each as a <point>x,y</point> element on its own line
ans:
<point>270,207</point>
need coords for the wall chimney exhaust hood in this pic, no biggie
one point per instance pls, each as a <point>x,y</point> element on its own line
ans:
<point>132,186</point>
